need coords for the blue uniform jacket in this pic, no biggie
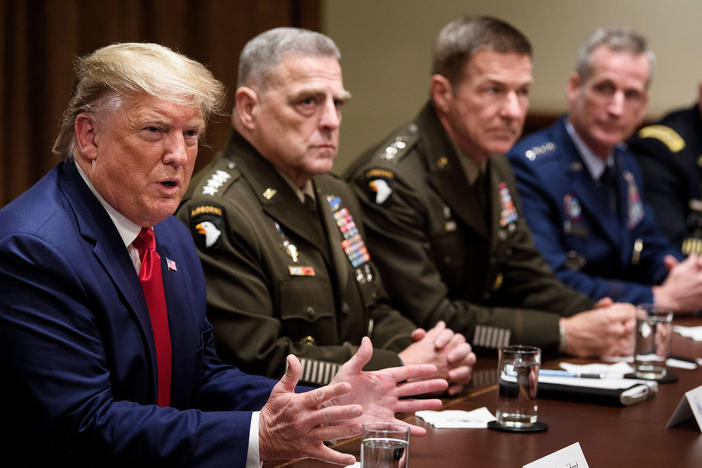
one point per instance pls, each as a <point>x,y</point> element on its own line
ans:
<point>590,248</point>
<point>78,359</point>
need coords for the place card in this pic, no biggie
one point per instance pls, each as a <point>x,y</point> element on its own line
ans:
<point>569,457</point>
<point>690,405</point>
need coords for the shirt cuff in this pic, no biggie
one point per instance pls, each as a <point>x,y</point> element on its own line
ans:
<point>253,459</point>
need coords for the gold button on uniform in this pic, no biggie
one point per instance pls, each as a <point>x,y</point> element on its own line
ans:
<point>498,282</point>
<point>308,340</point>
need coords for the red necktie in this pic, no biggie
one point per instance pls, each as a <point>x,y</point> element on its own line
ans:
<point>152,284</point>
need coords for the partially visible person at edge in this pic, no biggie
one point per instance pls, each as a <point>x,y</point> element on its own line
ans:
<point>669,153</point>
<point>285,274</point>
<point>108,359</point>
<point>443,216</point>
<point>582,191</point>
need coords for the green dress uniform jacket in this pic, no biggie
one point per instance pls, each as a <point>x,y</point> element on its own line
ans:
<point>454,252</point>
<point>280,279</point>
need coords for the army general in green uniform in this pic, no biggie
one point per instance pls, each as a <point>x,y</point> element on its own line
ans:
<point>443,217</point>
<point>281,240</point>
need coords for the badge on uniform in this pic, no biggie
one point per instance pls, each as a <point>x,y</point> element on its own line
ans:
<point>380,185</point>
<point>216,180</point>
<point>352,243</point>
<point>508,214</point>
<point>571,206</point>
<point>206,225</point>
<point>287,246</point>
<point>575,260</point>
<point>450,224</point>
<point>575,229</point>
<point>295,270</point>
<point>635,210</point>
<point>393,149</point>
<point>665,135</point>
<point>334,202</point>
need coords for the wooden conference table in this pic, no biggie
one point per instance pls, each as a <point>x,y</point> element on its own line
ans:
<point>633,436</point>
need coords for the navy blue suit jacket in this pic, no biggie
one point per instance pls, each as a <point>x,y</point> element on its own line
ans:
<point>78,359</point>
<point>589,247</point>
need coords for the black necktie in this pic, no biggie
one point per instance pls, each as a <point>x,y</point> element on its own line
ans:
<point>482,187</point>
<point>311,206</point>
<point>608,186</point>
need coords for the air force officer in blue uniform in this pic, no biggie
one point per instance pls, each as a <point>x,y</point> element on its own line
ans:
<point>79,358</point>
<point>582,190</point>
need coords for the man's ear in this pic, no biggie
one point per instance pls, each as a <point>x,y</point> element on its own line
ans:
<point>85,128</point>
<point>246,107</point>
<point>441,93</point>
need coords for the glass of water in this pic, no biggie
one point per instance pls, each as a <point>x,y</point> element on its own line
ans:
<point>652,340</point>
<point>385,445</point>
<point>518,380</point>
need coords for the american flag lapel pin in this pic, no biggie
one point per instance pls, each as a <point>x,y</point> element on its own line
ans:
<point>171,264</point>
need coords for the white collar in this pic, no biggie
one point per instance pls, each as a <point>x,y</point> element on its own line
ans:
<point>595,165</point>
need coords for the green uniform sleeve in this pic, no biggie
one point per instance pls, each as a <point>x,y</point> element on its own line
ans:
<point>403,240</point>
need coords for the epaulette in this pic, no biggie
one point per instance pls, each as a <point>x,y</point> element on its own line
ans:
<point>665,135</point>
<point>380,174</point>
<point>220,175</point>
<point>204,214</point>
<point>398,143</point>
<point>541,150</point>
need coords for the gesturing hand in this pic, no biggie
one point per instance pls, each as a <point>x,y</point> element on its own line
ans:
<point>294,425</point>
<point>381,393</point>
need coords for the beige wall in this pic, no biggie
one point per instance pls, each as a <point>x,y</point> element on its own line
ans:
<point>386,47</point>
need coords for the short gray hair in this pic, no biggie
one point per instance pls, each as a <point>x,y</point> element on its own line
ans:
<point>459,40</point>
<point>616,39</point>
<point>267,50</point>
<point>125,70</point>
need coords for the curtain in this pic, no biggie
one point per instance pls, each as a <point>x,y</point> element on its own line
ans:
<point>39,41</point>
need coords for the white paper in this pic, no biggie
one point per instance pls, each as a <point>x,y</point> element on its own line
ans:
<point>672,362</point>
<point>690,332</point>
<point>457,419</point>
<point>616,370</point>
<point>569,457</point>
<point>690,405</point>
